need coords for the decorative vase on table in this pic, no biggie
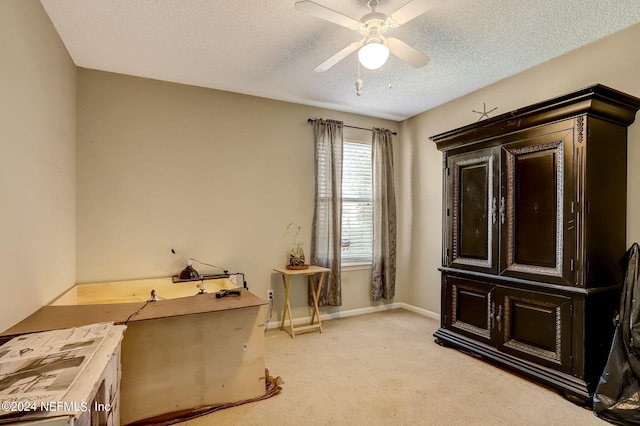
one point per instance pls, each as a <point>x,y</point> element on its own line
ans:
<point>296,258</point>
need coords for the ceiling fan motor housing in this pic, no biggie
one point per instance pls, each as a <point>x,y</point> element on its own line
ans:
<point>372,26</point>
<point>373,22</point>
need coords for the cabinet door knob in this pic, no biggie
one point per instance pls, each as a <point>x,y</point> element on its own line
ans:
<point>502,210</point>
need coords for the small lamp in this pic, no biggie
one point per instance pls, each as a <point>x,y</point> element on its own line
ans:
<point>189,273</point>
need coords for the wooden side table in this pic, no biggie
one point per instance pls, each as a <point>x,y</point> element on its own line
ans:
<point>287,274</point>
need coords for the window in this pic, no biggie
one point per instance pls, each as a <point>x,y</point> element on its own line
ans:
<point>357,203</point>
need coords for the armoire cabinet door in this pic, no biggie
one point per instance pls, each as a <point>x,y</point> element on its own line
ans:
<point>535,326</point>
<point>472,187</point>
<point>469,308</point>
<point>535,208</point>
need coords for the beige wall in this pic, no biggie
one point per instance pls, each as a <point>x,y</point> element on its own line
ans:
<point>37,161</point>
<point>613,61</point>
<point>215,175</point>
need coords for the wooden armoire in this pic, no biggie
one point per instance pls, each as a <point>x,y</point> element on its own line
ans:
<point>534,224</point>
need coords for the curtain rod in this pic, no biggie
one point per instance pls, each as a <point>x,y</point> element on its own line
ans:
<point>312,120</point>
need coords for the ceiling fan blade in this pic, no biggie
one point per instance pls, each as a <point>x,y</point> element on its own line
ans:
<point>411,10</point>
<point>325,13</point>
<point>407,53</point>
<point>338,57</point>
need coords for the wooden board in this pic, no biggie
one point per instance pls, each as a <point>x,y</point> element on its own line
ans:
<point>182,362</point>
<point>198,304</point>
<point>57,317</point>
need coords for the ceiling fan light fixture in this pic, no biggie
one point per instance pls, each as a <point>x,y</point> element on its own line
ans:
<point>373,55</point>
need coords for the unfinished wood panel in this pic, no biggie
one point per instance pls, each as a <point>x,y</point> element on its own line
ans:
<point>182,362</point>
<point>177,353</point>
<point>57,317</point>
<point>137,291</point>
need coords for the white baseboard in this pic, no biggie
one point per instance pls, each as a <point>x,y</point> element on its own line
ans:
<point>359,311</point>
<point>420,311</point>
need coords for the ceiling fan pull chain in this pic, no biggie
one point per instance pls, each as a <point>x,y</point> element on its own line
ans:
<point>359,82</point>
<point>359,87</point>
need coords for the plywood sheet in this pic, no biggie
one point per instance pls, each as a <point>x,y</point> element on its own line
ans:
<point>182,362</point>
<point>57,317</point>
<point>198,304</point>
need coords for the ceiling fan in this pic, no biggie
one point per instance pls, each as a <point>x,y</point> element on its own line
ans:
<point>374,47</point>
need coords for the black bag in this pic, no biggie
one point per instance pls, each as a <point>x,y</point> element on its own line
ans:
<point>617,396</point>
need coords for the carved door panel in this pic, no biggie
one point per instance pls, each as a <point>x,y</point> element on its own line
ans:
<point>468,308</point>
<point>535,209</point>
<point>471,212</point>
<point>535,326</point>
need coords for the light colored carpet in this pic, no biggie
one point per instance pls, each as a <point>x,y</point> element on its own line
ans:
<point>385,369</point>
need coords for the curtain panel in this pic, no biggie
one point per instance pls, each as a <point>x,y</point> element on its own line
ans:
<point>327,214</point>
<point>383,268</point>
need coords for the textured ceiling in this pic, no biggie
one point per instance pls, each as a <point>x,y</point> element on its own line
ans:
<point>266,48</point>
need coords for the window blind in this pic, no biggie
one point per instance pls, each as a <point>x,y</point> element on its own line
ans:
<point>357,203</point>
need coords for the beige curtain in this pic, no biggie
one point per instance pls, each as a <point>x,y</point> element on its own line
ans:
<point>383,268</point>
<point>327,213</point>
